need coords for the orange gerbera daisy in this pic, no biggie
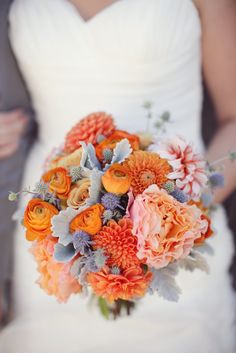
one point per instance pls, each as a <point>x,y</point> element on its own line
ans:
<point>119,244</point>
<point>145,169</point>
<point>131,284</point>
<point>88,130</point>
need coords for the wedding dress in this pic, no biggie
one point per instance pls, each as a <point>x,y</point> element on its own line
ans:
<point>131,52</point>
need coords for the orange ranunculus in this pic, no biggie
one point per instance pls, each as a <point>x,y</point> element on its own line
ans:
<point>206,234</point>
<point>37,219</point>
<point>117,136</point>
<point>59,182</point>
<point>131,284</point>
<point>117,179</point>
<point>89,220</point>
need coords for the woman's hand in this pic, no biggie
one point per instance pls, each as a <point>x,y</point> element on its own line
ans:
<point>12,126</point>
<point>218,19</point>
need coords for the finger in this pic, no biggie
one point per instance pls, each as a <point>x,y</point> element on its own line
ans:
<point>8,150</point>
<point>14,128</point>
<point>12,116</point>
<point>10,138</point>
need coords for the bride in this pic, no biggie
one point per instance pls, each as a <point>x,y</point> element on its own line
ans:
<point>78,57</point>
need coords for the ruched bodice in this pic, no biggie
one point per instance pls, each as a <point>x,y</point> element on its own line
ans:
<point>130,52</point>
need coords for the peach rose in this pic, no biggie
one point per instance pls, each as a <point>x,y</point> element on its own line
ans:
<point>117,179</point>
<point>59,182</point>
<point>166,229</point>
<point>117,136</point>
<point>89,220</point>
<point>79,193</point>
<point>55,278</point>
<point>70,160</point>
<point>37,219</point>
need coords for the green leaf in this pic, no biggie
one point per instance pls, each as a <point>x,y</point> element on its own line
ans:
<point>104,308</point>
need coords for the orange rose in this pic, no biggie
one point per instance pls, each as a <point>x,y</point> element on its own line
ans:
<point>116,179</point>
<point>116,137</point>
<point>59,182</point>
<point>89,220</point>
<point>37,219</point>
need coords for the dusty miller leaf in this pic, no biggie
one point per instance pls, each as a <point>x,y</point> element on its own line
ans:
<point>89,159</point>
<point>194,261</point>
<point>120,153</point>
<point>205,249</point>
<point>95,188</point>
<point>164,283</point>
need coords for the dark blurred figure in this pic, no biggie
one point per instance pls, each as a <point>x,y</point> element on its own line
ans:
<point>17,132</point>
<point>209,127</point>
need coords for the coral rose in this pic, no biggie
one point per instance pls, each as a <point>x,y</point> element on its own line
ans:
<point>70,160</point>
<point>55,278</point>
<point>119,244</point>
<point>89,220</point>
<point>37,219</point>
<point>116,179</point>
<point>59,182</point>
<point>110,143</point>
<point>131,284</point>
<point>166,229</point>
<point>79,194</point>
<point>88,130</point>
<point>145,169</point>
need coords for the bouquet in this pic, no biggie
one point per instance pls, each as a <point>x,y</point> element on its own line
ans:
<point>116,215</point>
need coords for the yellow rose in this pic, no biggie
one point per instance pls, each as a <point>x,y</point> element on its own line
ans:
<point>69,160</point>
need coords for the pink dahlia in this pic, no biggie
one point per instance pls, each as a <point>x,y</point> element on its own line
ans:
<point>188,166</point>
<point>166,229</point>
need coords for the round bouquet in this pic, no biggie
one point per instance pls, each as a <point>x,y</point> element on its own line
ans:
<point>116,215</point>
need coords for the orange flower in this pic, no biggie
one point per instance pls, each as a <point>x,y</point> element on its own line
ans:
<point>55,278</point>
<point>88,130</point>
<point>207,234</point>
<point>145,169</point>
<point>37,219</point>
<point>116,137</point>
<point>89,220</point>
<point>59,182</point>
<point>116,179</point>
<point>131,284</point>
<point>118,243</point>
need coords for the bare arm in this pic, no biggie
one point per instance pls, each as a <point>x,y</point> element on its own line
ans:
<point>219,65</point>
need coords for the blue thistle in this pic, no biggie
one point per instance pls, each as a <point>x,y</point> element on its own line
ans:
<point>110,201</point>
<point>115,270</point>
<point>76,173</point>
<point>107,155</point>
<point>107,216</point>
<point>41,188</point>
<point>179,195</point>
<point>216,180</point>
<point>100,138</point>
<point>169,186</point>
<point>82,242</point>
<point>100,258</point>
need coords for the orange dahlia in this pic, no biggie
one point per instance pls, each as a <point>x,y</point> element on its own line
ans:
<point>131,284</point>
<point>145,169</point>
<point>119,244</point>
<point>88,130</point>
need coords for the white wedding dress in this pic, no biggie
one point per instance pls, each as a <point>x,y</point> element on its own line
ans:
<point>131,52</point>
